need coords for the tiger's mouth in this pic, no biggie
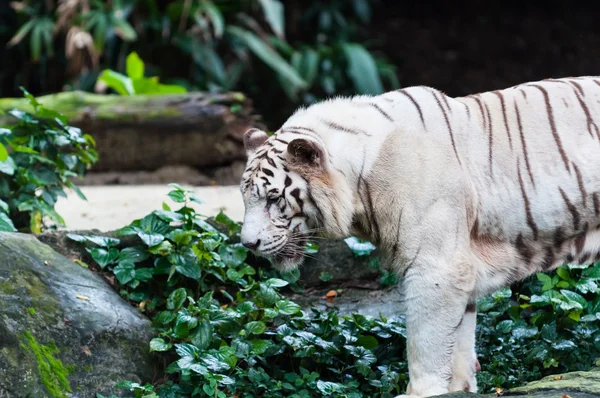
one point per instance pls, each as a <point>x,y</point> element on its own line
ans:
<point>292,254</point>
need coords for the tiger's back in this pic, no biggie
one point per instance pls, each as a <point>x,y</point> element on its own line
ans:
<point>538,182</point>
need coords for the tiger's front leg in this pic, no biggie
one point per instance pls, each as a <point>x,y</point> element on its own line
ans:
<point>437,295</point>
<point>465,358</point>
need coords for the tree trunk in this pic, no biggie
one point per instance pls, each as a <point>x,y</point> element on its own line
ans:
<point>146,132</point>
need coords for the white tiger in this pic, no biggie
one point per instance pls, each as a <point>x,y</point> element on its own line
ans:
<point>465,195</point>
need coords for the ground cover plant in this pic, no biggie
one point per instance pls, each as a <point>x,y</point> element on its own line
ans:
<point>224,323</point>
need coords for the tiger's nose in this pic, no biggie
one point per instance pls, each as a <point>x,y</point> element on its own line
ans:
<point>252,245</point>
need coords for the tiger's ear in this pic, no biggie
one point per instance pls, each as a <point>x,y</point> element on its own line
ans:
<point>254,138</point>
<point>302,152</point>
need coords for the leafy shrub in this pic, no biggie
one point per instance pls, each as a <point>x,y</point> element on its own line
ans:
<point>41,154</point>
<point>547,324</point>
<point>227,330</point>
<point>226,324</point>
<point>135,82</point>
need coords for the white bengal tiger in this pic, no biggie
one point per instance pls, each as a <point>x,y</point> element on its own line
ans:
<point>465,195</point>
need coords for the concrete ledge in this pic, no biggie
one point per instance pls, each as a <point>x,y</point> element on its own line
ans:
<point>114,206</point>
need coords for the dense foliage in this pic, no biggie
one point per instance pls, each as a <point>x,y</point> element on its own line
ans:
<point>221,318</point>
<point>227,326</point>
<point>39,156</point>
<point>260,47</point>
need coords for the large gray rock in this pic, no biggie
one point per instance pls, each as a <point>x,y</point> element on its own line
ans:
<point>64,332</point>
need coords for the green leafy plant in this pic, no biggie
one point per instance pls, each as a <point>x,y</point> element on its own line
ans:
<point>135,82</point>
<point>223,320</point>
<point>547,324</point>
<point>41,154</point>
<point>226,323</point>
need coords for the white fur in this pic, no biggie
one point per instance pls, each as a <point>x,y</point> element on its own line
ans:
<point>456,205</point>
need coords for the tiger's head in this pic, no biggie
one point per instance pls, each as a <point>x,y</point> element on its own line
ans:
<point>290,192</point>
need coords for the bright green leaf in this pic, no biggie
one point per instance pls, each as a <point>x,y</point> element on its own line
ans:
<point>134,66</point>
<point>256,327</point>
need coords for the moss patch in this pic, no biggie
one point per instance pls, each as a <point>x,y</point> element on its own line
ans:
<point>588,382</point>
<point>53,373</point>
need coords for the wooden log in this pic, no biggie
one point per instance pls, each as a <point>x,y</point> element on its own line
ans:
<point>146,132</point>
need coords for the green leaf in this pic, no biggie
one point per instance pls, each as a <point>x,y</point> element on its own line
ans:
<point>158,344</point>
<point>125,272</point>
<point>268,56</point>
<point>163,248</point>
<point>503,293</point>
<point>256,327</point>
<point>202,336</point>
<point>186,265</point>
<point>124,30</point>
<point>4,206</point>
<point>134,66</point>
<point>177,196</point>
<point>362,69</point>
<point>104,257</point>
<point>240,347</point>
<point>524,332</point>
<point>117,81</point>
<point>325,276</point>
<point>135,254</point>
<point>275,282</point>
<point>8,166</point>
<point>268,295</point>
<point>151,239</point>
<point>287,307</point>
<point>368,342</point>
<point>575,297</point>
<point>182,237</point>
<point>546,280</point>
<point>76,190</point>
<point>273,10</point>
<point>3,153</point>
<point>103,241</point>
<point>215,16</point>
<point>259,347</point>
<point>364,359</point>
<point>564,345</point>
<point>186,350</point>
<point>144,274</point>
<point>505,326</point>
<point>6,224</point>
<point>153,224</point>
<point>563,273</point>
<point>176,298</point>
<point>329,388</point>
<point>233,255</point>
<point>307,64</point>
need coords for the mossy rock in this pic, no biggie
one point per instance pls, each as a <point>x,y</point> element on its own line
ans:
<point>567,383</point>
<point>64,332</point>
<point>573,385</point>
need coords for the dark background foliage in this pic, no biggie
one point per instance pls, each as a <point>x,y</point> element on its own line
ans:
<point>458,47</point>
